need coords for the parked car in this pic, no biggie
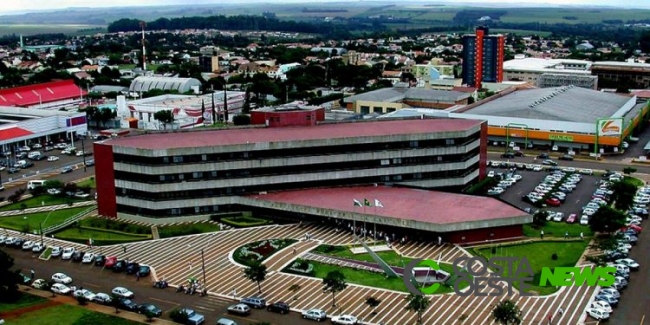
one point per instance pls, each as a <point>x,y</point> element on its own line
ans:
<point>39,284</point>
<point>314,314</point>
<point>52,158</point>
<point>90,162</point>
<point>239,309</point>
<point>279,307</point>
<point>193,318</point>
<point>103,298</point>
<point>61,278</point>
<point>572,218</point>
<point>143,270</point>
<point>88,258</point>
<point>597,314</point>
<point>553,202</point>
<point>28,245</point>
<point>100,260</point>
<point>344,320</point>
<point>119,266</point>
<point>66,170</point>
<point>144,308</point>
<point>56,251</point>
<point>255,302</point>
<point>89,295</point>
<point>122,292</point>
<point>67,253</point>
<point>127,304</point>
<point>77,256</point>
<point>602,304</point>
<point>110,262</point>
<point>38,247</point>
<point>60,288</point>
<point>132,267</point>
<point>630,263</point>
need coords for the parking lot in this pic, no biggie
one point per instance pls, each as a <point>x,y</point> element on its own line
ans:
<point>575,200</point>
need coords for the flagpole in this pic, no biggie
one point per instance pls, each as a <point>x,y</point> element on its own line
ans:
<point>374,236</point>
<point>364,220</point>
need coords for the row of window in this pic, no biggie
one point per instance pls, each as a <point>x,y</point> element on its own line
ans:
<point>292,170</point>
<point>229,191</point>
<point>293,152</point>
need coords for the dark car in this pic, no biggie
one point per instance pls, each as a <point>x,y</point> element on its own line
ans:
<point>142,309</point>
<point>255,302</point>
<point>132,268</point>
<point>90,162</point>
<point>144,270</point>
<point>28,164</point>
<point>38,158</point>
<point>127,304</point>
<point>100,260</point>
<point>542,156</point>
<point>12,170</point>
<point>566,157</point>
<point>519,154</point>
<point>77,256</point>
<point>279,307</point>
<point>18,243</point>
<point>119,266</point>
<point>508,155</point>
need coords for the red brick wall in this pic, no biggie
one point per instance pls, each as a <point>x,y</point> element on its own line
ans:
<point>105,180</point>
<point>293,118</point>
<point>480,235</point>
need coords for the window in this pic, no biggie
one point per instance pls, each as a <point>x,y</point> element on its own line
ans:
<point>385,162</point>
<point>397,161</point>
<point>213,173</point>
<point>176,211</point>
<point>413,144</point>
<point>397,177</point>
<point>181,176</point>
<point>166,160</point>
<point>450,141</point>
<point>197,174</point>
<point>204,157</point>
<point>178,159</point>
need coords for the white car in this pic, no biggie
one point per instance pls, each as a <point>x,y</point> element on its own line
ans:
<point>612,292</point>
<point>61,278</point>
<point>102,298</point>
<point>38,247</point>
<point>597,314</point>
<point>344,320</point>
<point>584,220</point>
<point>314,314</point>
<point>53,191</point>
<point>67,253</point>
<point>559,216</point>
<point>61,289</point>
<point>89,295</point>
<point>52,158</point>
<point>490,173</point>
<point>122,292</point>
<point>589,211</point>
<point>603,305</point>
<point>28,245</point>
<point>537,168</point>
<point>586,171</point>
<point>88,258</point>
<point>56,251</point>
<point>569,170</point>
<point>630,263</point>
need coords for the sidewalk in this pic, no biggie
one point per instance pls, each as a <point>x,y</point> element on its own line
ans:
<point>46,208</point>
<point>94,307</point>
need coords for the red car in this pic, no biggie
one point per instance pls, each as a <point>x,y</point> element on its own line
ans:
<point>553,202</point>
<point>635,228</point>
<point>572,218</point>
<point>110,261</point>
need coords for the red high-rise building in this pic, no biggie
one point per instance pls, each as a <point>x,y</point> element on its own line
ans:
<point>482,57</point>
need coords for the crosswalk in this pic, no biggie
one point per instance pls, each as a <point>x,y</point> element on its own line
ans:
<point>177,259</point>
<point>46,208</point>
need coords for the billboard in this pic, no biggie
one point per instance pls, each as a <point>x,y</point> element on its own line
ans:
<point>610,127</point>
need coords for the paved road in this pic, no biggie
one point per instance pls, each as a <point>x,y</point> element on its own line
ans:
<point>611,164</point>
<point>98,279</point>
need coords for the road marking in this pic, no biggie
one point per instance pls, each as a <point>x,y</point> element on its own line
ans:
<point>204,308</point>
<point>164,301</point>
<point>247,319</point>
<point>92,285</point>
<point>642,319</point>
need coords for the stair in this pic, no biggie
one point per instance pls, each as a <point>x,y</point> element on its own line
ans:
<point>154,232</point>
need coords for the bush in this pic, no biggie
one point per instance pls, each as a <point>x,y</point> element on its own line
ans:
<point>241,119</point>
<point>328,249</point>
<point>243,222</point>
<point>82,300</point>
<point>554,257</point>
<point>494,250</point>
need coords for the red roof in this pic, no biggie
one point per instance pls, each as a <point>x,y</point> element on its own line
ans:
<point>11,133</point>
<point>401,203</point>
<point>642,93</point>
<point>293,133</point>
<point>49,92</point>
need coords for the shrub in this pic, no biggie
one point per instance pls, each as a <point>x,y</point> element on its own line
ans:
<point>241,119</point>
<point>554,257</point>
<point>82,300</point>
<point>494,250</point>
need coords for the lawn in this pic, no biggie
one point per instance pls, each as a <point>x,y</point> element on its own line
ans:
<point>41,200</point>
<point>68,314</point>
<point>634,181</point>
<point>88,182</point>
<point>25,300</point>
<point>187,229</point>
<point>372,279</point>
<point>33,221</point>
<point>244,221</point>
<point>558,229</point>
<point>539,255</point>
<point>99,236</point>
<point>390,257</point>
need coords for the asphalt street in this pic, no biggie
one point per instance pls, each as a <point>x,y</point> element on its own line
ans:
<point>97,279</point>
<point>611,163</point>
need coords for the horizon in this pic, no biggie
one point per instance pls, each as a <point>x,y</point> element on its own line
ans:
<point>47,5</point>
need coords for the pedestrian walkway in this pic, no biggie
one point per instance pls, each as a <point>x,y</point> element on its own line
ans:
<point>46,208</point>
<point>282,258</point>
<point>340,262</point>
<point>154,232</point>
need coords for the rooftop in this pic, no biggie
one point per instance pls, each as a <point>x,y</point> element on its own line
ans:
<point>188,101</point>
<point>401,203</point>
<point>396,94</point>
<point>284,134</point>
<point>294,106</point>
<point>40,93</point>
<point>619,64</point>
<point>570,104</point>
<point>548,65</point>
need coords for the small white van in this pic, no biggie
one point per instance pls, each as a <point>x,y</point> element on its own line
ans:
<point>34,184</point>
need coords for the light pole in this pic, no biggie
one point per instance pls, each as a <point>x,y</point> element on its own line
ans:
<point>203,269</point>
<point>83,151</point>
<point>43,222</point>
<point>525,128</point>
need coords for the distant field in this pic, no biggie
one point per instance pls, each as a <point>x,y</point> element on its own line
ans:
<point>554,15</point>
<point>32,29</point>
<point>521,32</point>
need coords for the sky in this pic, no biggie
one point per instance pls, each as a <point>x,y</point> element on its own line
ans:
<point>21,6</point>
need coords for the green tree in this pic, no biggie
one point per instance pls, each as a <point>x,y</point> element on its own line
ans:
<point>606,219</point>
<point>149,315</point>
<point>334,282</point>
<point>623,194</point>
<point>241,119</point>
<point>256,273</point>
<point>417,304</point>
<point>507,313</point>
<point>104,115</point>
<point>179,316</point>
<point>8,279</point>
<point>115,303</point>
<point>539,218</point>
<point>164,116</point>
<point>373,302</point>
<point>629,170</point>
<point>53,183</point>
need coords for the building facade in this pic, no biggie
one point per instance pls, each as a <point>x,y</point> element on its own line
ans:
<point>291,114</point>
<point>482,57</point>
<point>628,75</point>
<point>197,174</point>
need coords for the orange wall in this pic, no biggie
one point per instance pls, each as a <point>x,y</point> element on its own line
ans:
<point>544,135</point>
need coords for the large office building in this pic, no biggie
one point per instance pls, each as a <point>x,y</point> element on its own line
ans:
<point>194,174</point>
<point>547,73</point>
<point>482,57</point>
<point>630,74</point>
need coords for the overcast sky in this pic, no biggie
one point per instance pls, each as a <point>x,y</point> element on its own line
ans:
<point>9,6</point>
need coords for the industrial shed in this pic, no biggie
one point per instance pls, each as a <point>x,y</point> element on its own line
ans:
<point>182,85</point>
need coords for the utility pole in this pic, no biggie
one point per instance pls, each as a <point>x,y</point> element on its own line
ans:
<point>83,151</point>
<point>225,102</point>
<point>144,50</point>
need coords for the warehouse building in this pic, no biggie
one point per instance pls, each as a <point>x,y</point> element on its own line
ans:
<point>181,85</point>
<point>386,100</point>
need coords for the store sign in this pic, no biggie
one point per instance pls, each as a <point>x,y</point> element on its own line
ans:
<point>558,137</point>
<point>610,127</point>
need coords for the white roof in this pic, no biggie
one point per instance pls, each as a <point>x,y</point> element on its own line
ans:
<point>547,65</point>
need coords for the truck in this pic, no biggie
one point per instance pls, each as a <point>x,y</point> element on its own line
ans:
<point>193,318</point>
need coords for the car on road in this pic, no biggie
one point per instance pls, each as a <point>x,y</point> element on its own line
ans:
<point>67,253</point>
<point>279,307</point>
<point>571,218</point>
<point>90,162</point>
<point>52,158</point>
<point>122,292</point>
<point>566,157</point>
<point>255,302</point>
<point>127,304</point>
<point>60,288</point>
<point>103,298</point>
<point>537,168</point>
<point>314,314</point>
<point>61,278</point>
<point>66,170</point>
<point>89,295</point>
<point>39,284</point>
<point>193,318</point>
<point>542,156</point>
<point>239,309</point>
<point>490,173</point>
<point>630,263</point>
<point>549,162</point>
<point>344,320</point>
<point>597,314</point>
<point>553,202</point>
<point>144,308</point>
<point>88,258</point>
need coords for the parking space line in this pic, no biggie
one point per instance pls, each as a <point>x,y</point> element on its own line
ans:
<point>164,301</point>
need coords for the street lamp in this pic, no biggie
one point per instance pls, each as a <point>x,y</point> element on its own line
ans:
<point>43,222</point>
<point>83,151</point>
<point>523,126</point>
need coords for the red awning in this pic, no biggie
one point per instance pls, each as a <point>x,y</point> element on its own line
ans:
<point>11,133</point>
